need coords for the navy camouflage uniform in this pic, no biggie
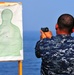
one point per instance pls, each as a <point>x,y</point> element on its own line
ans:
<point>57,55</point>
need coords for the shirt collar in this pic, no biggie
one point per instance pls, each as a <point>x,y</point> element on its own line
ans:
<point>63,35</point>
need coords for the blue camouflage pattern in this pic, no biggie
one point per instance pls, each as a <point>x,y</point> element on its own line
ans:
<point>57,55</point>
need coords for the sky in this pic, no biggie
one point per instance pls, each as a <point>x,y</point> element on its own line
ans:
<point>43,13</point>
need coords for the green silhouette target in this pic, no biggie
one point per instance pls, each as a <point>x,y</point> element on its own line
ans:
<point>10,35</point>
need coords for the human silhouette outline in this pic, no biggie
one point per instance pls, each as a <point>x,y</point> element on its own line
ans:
<point>10,35</point>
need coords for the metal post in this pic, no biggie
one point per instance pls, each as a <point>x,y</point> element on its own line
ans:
<point>20,67</point>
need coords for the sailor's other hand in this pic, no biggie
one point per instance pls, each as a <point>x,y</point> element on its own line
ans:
<point>45,34</point>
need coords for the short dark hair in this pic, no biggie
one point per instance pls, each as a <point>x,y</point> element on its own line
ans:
<point>66,21</point>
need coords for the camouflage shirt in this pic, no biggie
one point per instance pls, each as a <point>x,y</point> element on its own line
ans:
<point>57,55</point>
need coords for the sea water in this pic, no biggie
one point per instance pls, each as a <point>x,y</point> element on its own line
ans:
<point>31,64</point>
